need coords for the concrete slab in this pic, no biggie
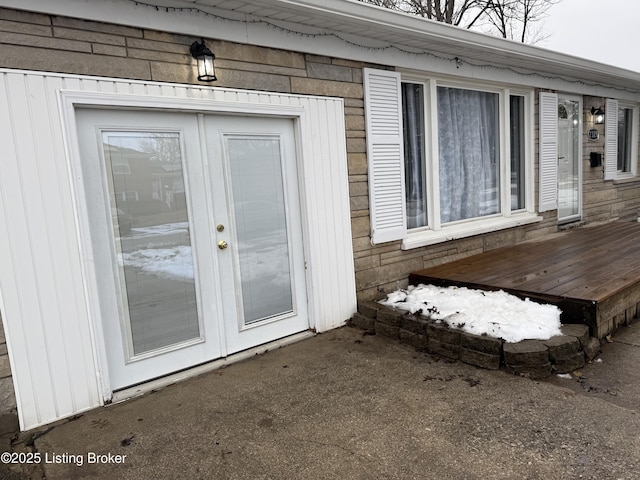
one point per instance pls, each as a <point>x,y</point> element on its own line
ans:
<point>348,405</point>
<point>613,376</point>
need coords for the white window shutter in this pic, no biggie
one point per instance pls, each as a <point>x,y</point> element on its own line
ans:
<point>611,139</point>
<point>383,110</point>
<point>548,125</point>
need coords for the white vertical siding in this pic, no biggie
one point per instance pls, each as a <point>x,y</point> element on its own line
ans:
<point>43,299</point>
<point>326,195</point>
<point>50,335</point>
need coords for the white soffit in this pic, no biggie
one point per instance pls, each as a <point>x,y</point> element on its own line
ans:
<point>356,24</point>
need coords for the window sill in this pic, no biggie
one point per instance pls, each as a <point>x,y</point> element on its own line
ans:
<point>431,237</point>
<point>626,179</point>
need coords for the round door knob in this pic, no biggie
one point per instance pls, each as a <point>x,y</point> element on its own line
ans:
<point>222,244</point>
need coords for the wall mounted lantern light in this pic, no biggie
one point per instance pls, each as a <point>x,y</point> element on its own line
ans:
<point>598,115</point>
<point>205,59</point>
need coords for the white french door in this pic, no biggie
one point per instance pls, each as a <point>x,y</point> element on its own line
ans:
<point>197,236</point>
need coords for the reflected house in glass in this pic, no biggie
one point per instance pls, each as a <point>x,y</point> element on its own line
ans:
<point>142,178</point>
<point>336,153</point>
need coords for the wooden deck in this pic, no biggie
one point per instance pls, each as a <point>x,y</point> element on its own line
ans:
<point>592,273</point>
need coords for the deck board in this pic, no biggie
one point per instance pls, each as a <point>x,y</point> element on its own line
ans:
<point>590,264</point>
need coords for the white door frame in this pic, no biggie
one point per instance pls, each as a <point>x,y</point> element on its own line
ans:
<point>70,100</point>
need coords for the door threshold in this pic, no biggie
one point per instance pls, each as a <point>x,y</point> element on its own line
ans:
<point>158,383</point>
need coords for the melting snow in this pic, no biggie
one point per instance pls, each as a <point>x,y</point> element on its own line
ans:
<point>496,314</point>
<point>166,228</point>
<point>175,262</point>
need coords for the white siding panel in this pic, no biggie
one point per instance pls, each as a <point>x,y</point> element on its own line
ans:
<point>611,139</point>
<point>326,195</point>
<point>13,251</point>
<point>48,239</point>
<point>123,88</point>
<point>548,152</point>
<point>155,90</point>
<point>50,336</point>
<point>72,304</point>
<point>47,325</point>
<point>30,247</point>
<point>137,88</point>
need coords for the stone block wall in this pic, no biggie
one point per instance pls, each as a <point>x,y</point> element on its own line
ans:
<point>531,358</point>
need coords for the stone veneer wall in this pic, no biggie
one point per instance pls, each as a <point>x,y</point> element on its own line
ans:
<point>610,200</point>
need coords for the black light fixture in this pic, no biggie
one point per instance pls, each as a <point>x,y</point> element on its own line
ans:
<point>598,115</point>
<point>205,59</point>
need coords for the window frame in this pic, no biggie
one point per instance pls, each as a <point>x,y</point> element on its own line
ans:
<point>435,231</point>
<point>633,161</point>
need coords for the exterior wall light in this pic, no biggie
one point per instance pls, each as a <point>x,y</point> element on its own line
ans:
<point>205,59</point>
<point>598,115</point>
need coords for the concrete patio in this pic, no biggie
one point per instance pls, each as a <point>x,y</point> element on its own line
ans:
<point>354,406</point>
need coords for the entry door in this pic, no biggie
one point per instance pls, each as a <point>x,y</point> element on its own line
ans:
<point>569,164</point>
<point>258,226</point>
<point>195,225</point>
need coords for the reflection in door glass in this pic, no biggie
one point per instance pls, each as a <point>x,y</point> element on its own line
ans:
<point>568,158</point>
<point>151,231</point>
<point>261,226</point>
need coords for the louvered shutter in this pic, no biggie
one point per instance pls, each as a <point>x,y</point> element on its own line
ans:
<point>548,186</point>
<point>611,139</point>
<point>383,110</point>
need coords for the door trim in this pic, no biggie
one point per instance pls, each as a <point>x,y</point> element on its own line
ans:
<point>69,101</point>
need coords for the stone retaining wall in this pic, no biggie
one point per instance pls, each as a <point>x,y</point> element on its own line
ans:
<point>531,358</point>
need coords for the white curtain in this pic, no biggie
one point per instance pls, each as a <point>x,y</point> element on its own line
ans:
<point>468,140</point>
<point>413,122</point>
<point>516,135</point>
<point>625,125</point>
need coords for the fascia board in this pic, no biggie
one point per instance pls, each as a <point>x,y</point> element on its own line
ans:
<point>428,30</point>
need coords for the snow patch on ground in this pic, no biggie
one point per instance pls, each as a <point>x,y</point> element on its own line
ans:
<point>496,314</point>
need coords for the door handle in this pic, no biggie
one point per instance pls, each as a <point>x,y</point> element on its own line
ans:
<point>222,244</point>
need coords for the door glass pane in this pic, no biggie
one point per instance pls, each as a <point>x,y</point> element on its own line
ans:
<point>151,231</point>
<point>261,226</point>
<point>568,154</point>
